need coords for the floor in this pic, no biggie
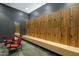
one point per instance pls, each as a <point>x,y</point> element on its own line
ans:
<point>28,49</point>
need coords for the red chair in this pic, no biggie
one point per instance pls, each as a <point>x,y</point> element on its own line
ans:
<point>15,45</point>
<point>11,39</point>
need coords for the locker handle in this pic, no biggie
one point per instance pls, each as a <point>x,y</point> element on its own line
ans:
<point>61,35</point>
<point>48,33</point>
<point>61,18</point>
<point>54,19</point>
<point>71,36</point>
<point>54,34</point>
<point>71,16</point>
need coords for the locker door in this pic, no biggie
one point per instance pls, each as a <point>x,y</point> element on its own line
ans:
<point>26,26</point>
<point>65,27</point>
<point>55,26</point>
<point>50,27</point>
<point>45,27</point>
<point>74,26</point>
<point>50,23</point>
<point>41,27</point>
<point>58,21</point>
<point>17,27</point>
<point>38,27</point>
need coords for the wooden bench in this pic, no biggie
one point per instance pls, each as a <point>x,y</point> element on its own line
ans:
<point>52,46</point>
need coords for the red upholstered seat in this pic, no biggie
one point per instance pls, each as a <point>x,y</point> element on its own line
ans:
<point>8,45</point>
<point>12,45</point>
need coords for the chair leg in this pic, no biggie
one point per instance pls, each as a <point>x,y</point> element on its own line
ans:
<point>17,51</point>
<point>8,52</point>
<point>21,47</point>
<point>4,52</point>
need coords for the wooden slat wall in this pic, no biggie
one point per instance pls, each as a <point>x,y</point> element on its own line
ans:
<point>17,28</point>
<point>74,26</point>
<point>61,27</point>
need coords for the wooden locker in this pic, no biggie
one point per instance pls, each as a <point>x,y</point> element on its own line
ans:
<point>34,27</point>
<point>42,18</point>
<point>61,27</point>
<point>55,27</point>
<point>17,28</point>
<point>42,27</point>
<point>26,26</point>
<point>37,28</point>
<point>65,27</point>
<point>78,24</point>
<point>58,23</point>
<point>42,33</point>
<point>33,30</point>
<point>47,29</point>
<point>74,26</point>
<point>52,27</point>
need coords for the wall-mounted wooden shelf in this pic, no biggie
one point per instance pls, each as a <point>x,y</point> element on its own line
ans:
<point>55,47</point>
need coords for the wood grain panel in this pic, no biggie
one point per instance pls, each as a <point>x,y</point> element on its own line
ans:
<point>74,26</point>
<point>17,28</point>
<point>66,29</point>
<point>61,27</point>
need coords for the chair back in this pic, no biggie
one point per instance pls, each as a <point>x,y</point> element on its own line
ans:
<point>19,40</point>
<point>12,37</point>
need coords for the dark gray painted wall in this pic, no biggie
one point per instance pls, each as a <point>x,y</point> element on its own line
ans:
<point>50,7</point>
<point>8,16</point>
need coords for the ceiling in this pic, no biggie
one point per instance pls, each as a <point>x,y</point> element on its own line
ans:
<point>25,7</point>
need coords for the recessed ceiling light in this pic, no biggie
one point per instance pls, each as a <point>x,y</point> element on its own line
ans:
<point>26,8</point>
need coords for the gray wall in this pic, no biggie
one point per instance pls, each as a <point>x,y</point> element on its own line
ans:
<point>50,7</point>
<point>8,16</point>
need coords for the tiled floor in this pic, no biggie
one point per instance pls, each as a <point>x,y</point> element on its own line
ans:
<point>29,49</point>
